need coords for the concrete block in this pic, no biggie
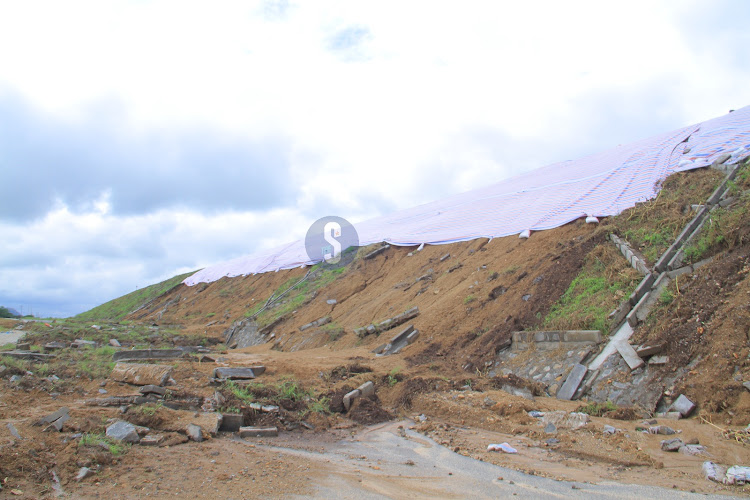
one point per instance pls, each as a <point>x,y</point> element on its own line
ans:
<point>57,415</point>
<point>571,383</point>
<point>231,422</point>
<point>683,405</point>
<point>258,432</point>
<point>23,346</point>
<point>350,397</point>
<point>643,287</point>
<point>594,336</point>
<point>658,360</point>
<point>367,389</point>
<point>445,257</point>
<point>628,354</point>
<point>234,373</point>
<point>78,343</point>
<point>649,350</point>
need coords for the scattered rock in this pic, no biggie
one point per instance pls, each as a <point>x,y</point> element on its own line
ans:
<point>331,302</point>
<point>152,440</point>
<point>693,449</point>
<point>550,428</point>
<point>661,429</point>
<point>608,429</point>
<point>713,472</point>
<point>565,420</point>
<point>123,431</point>
<point>55,420</point>
<point>115,343</point>
<point>244,373</point>
<point>672,445</point>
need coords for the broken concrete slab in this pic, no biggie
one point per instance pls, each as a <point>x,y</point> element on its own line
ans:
<point>153,389</point>
<point>194,433</point>
<point>33,356</point>
<point>318,322</point>
<point>376,252</point>
<point>79,343</point>
<point>23,346</point>
<point>349,398</point>
<point>63,412</point>
<point>367,389</point>
<point>572,382</point>
<point>141,374</point>
<point>258,432</point>
<point>628,354</point>
<point>553,338</point>
<point>52,346</point>
<point>231,422</point>
<point>683,405</point>
<point>406,337</point>
<point>147,354</point>
<point>658,360</point>
<point>123,431</point>
<point>645,351</point>
<point>244,373</point>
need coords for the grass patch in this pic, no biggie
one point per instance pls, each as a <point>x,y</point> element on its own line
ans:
<point>469,299</point>
<point>297,294</point>
<point>100,440</point>
<point>597,409</point>
<point>602,284</point>
<point>725,228</point>
<point>122,306</point>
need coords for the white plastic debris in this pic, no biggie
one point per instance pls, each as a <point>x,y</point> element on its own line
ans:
<point>525,233</point>
<point>592,220</point>
<point>505,447</point>
<point>737,474</point>
<point>420,247</point>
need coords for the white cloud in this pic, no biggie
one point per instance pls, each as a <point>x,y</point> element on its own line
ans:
<point>378,105</point>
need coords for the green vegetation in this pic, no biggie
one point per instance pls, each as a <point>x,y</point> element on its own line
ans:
<point>651,227</point>
<point>121,307</point>
<point>5,313</point>
<point>295,293</point>
<point>333,330</point>
<point>98,439</point>
<point>392,378</point>
<point>469,299</point>
<point>597,409</point>
<point>725,228</point>
<point>511,270</point>
<point>605,280</point>
<point>243,393</point>
<point>148,410</point>
<point>666,297</point>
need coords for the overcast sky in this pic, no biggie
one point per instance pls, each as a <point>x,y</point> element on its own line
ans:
<point>142,139</point>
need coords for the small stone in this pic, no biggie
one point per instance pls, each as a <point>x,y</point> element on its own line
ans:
<point>115,343</point>
<point>608,429</point>
<point>552,441</point>
<point>692,449</point>
<point>152,440</point>
<point>153,389</point>
<point>331,302</point>
<point>672,444</point>
<point>13,431</point>
<point>550,428</point>
<point>102,391</point>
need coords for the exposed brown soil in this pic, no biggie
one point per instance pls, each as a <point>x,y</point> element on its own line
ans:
<point>442,382</point>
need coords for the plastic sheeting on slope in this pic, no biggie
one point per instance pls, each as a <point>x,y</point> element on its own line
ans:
<point>600,185</point>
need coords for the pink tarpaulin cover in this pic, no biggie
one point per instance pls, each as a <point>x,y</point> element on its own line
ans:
<point>600,185</point>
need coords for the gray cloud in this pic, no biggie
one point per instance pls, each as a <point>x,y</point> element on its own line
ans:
<point>44,160</point>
